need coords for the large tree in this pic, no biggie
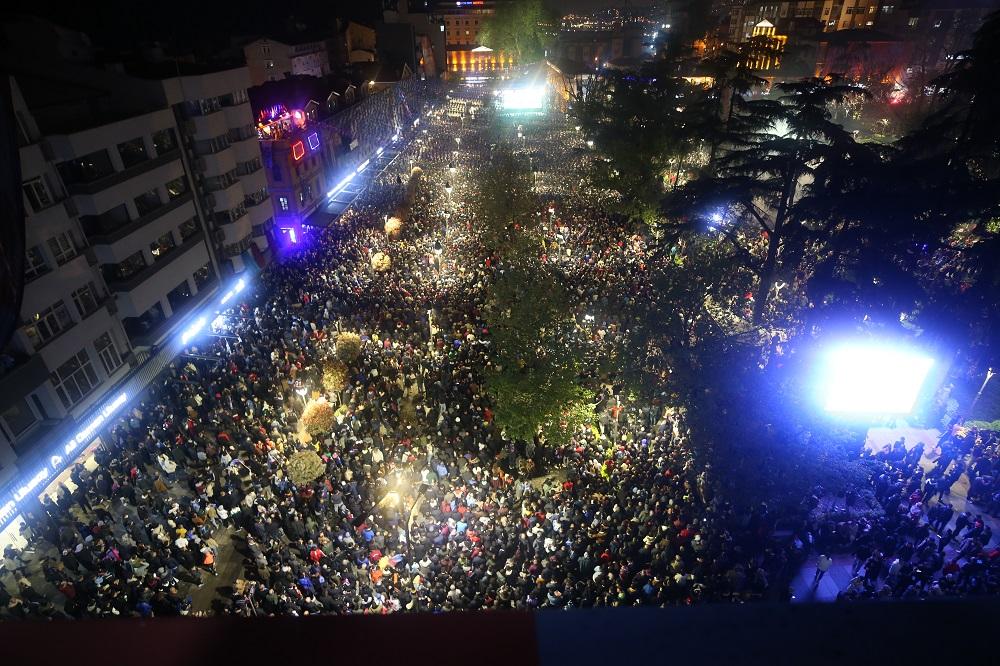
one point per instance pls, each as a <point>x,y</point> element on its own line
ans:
<point>535,382</point>
<point>754,199</point>
<point>641,136</point>
<point>505,203</point>
<point>517,28</point>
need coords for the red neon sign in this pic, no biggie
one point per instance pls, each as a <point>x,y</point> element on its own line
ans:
<point>298,150</point>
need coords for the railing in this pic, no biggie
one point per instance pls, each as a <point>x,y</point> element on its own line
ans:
<point>134,280</point>
<point>116,234</point>
<point>112,179</point>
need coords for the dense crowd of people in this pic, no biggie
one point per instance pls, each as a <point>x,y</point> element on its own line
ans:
<point>423,503</point>
<point>912,541</point>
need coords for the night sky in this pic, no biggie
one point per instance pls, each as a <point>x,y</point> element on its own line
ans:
<point>200,25</point>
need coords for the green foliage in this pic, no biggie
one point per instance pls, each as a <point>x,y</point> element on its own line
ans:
<point>544,401</point>
<point>505,204</point>
<point>304,467</point>
<point>318,417</point>
<point>535,386</point>
<point>983,425</point>
<point>517,28</point>
<point>640,137</point>
<point>348,346</point>
<point>768,191</point>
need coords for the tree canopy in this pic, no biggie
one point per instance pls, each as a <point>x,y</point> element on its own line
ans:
<point>517,28</point>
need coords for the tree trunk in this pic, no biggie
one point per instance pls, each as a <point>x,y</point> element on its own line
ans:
<point>773,241</point>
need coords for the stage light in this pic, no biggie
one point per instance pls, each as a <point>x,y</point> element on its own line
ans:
<point>524,99</point>
<point>872,379</point>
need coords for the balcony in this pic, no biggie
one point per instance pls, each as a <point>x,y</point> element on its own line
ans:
<point>118,177</point>
<point>227,197</point>
<point>150,335</point>
<point>238,114</point>
<point>114,235</point>
<point>207,125</point>
<point>133,281</point>
<point>246,149</point>
<point>217,163</point>
<point>256,180</point>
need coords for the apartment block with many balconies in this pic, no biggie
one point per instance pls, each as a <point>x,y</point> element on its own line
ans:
<point>220,147</point>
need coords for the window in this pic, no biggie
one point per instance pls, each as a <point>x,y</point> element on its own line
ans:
<point>179,295</point>
<point>201,107</point>
<point>236,97</point>
<point>255,198</point>
<point>161,246</point>
<point>47,324</point>
<point>283,203</point>
<point>86,169</point>
<point>213,145</point>
<point>85,299</point>
<point>147,202</point>
<point>188,228</point>
<point>887,9</point>
<point>265,51</point>
<point>231,215</point>
<point>203,275</point>
<point>913,22</point>
<point>248,167</point>
<point>164,141</point>
<point>125,269</point>
<point>34,264</point>
<point>74,379</point>
<point>132,152</point>
<point>37,193</point>
<point>63,247</point>
<point>108,353</point>
<point>106,222</point>
<point>19,417</point>
<point>176,188</point>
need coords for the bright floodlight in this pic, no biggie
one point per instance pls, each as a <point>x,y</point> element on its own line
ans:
<point>869,379</point>
<point>523,99</point>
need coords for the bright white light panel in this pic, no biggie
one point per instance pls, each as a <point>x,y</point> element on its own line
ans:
<point>873,379</point>
<point>523,99</point>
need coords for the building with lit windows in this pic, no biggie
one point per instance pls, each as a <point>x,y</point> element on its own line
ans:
<point>464,54</point>
<point>139,194</point>
<point>299,159</point>
<point>115,254</point>
<point>765,47</point>
<point>220,150</point>
<point>270,59</point>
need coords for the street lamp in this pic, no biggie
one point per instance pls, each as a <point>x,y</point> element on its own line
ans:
<point>447,188</point>
<point>458,141</point>
<point>451,168</point>
<point>301,390</point>
<point>395,497</point>
<point>590,143</point>
<point>989,375</point>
